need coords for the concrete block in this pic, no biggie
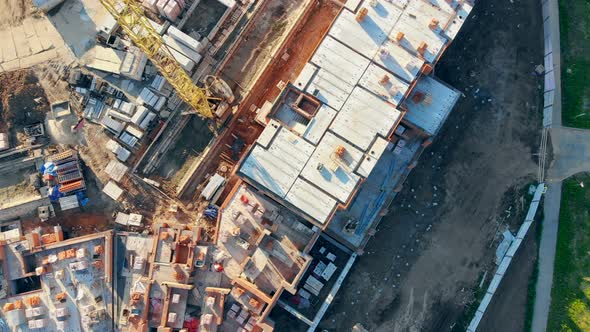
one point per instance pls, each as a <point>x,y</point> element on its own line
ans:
<point>11,65</point>
<point>38,58</point>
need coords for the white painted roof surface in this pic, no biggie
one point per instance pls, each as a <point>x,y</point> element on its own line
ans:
<point>363,117</point>
<point>319,124</point>
<point>415,32</point>
<point>352,4</point>
<point>393,91</point>
<point>330,89</point>
<point>431,113</point>
<point>341,69</point>
<point>305,76</point>
<point>399,61</point>
<point>372,156</point>
<point>268,133</point>
<point>311,200</point>
<point>426,10</point>
<point>335,176</point>
<point>456,23</point>
<point>367,36</point>
<point>340,60</point>
<point>277,167</point>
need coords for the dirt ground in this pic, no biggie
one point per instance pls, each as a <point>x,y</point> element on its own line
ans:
<point>14,11</point>
<point>507,310</point>
<point>22,102</point>
<point>418,271</point>
<point>205,17</point>
<point>255,47</point>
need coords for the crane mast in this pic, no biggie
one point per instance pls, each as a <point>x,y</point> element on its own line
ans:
<point>131,19</point>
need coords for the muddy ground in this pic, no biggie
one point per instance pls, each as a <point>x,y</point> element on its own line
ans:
<point>418,272</point>
<point>507,310</point>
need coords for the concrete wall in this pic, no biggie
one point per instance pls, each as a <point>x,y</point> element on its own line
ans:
<point>25,209</point>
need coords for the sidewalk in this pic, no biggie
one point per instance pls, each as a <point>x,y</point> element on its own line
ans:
<point>571,150</point>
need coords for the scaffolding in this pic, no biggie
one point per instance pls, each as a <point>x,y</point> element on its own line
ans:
<point>130,17</point>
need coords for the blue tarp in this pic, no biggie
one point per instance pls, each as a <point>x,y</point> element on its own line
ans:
<point>54,193</point>
<point>49,168</point>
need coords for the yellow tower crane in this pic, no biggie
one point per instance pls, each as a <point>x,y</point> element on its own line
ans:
<point>130,17</point>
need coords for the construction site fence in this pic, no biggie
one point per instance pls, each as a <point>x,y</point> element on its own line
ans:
<point>552,68</point>
<point>505,263</point>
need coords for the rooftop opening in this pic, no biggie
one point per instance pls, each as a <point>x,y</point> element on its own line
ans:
<point>26,284</point>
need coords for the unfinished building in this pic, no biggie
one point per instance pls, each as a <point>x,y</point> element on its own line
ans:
<point>302,200</point>
<point>341,139</point>
<point>52,284</point>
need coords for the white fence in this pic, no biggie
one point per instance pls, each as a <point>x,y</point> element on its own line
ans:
<point>551,70</point>
<point>503,267</point>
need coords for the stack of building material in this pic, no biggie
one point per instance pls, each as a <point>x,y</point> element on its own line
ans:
<point>186,63</point>
<point>116,148</point>
<point>128,139</point>
<point>116,170</point>
<point>147,120</point>
<point>151,5</point>
<point>172,10</point>
<point>68,202</point>
<point>147,97</point>
<point>139,115</point>
<point>158,83</point>
<point>134,131</point>
<point>118,115</point>
<point>185,49</point>
<point>160,5</point>
<point>182,48</point>
<point>94,109</point>
<point>112,125</point>
<point>69,173</point>
<point>185,39</point>
<point>134,63</point>
<point>123,106</point>
<point>112,190</point>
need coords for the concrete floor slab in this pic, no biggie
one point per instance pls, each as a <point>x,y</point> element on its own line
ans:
<point>7,45</point>
<point>20,41</point>
<point>38,58</point>
<point>32,37</point>
<point>78,22</point>
<point>47,33</point>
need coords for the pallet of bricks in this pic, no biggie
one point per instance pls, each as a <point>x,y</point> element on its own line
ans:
<point>69,173</point>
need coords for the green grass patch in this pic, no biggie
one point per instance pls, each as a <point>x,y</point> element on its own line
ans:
<point>574,20</point>
<point>570,294</point>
